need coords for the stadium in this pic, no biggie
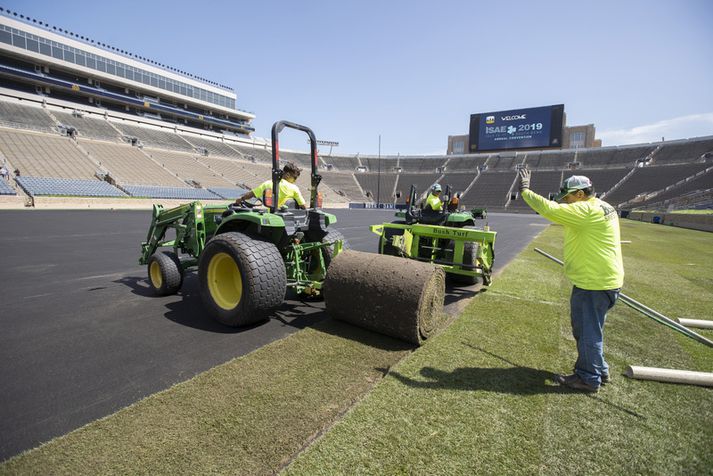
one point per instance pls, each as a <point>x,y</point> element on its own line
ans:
<point>100,376</point>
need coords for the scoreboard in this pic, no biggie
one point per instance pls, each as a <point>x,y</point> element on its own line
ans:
<point>535,127</point>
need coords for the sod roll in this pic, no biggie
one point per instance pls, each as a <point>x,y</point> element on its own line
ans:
<point>387,294</point>
<point>697,323</point>
<point>670,375</point>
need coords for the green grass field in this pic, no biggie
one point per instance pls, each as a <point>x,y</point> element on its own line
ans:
<point>477,398</point>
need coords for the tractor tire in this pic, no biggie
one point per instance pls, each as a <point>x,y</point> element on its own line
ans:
<point>165,273</point>
<point>385,241</point>
<point>241,279</point>
<point>333,235</point>
<point>470,256</point>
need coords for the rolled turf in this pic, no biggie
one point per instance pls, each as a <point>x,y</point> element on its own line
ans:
<point>386,294</point>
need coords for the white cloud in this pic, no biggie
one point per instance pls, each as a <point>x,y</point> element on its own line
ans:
<point>695,125</point>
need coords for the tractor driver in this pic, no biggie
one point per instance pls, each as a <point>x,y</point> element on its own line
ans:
<point>433,201</point>
<point>288,189</point>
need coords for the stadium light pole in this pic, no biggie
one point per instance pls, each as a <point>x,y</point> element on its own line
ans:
<point>378,178</point>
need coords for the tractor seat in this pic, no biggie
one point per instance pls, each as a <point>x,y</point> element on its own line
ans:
<point>430,217</point>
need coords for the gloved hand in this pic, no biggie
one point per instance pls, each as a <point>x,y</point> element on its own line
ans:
<point>524,175</point>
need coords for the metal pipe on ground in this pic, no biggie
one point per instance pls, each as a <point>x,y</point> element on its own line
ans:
<point>670,375</point>
<point>390,295</point>
<point>698,323</point>
<point>648,312</point>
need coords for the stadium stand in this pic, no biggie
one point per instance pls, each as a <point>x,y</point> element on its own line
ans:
<point>237,172</point>
<point>459,182</point>
<point>21,116</point>
<point>384,188</point>
<point>344,184</point>
<point>388,164</point>
<point>490,190</point>
<point>153,137</point>
<point>188,168</point>
<point>602,179</point>
<point>90,126</point>
<point>543,182</point>
<point>418,164</point>
<point>502,161</point>
<point>177,193</point>
<point>465,163</point>
<point>692,185</point>
<point>227,192</point>
<point>682,152</point>
<point>5,188</point>
<point>37,186</point>
<point>651,179</point>
<point>547,160</point>
<point>343,163</point>
<point>127,164</point>
<point>258,154</point>
<point>215,148</point>
<point>422,182</point>
<point>43,155</point>
<point>613,156</point>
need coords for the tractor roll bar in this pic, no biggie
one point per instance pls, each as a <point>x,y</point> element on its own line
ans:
<point>277,173</point>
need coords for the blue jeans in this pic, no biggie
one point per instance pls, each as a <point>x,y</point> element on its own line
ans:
<point>588,313</point>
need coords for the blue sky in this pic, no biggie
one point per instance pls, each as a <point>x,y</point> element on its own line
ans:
<point>414,71</point>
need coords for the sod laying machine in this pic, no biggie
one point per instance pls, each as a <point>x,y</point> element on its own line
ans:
<point>448,238</point>
<point>247,257</point>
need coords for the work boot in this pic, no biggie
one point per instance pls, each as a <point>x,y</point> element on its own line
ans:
<point>605,379</point>
<point>560,379</point>
<point>575,382</point>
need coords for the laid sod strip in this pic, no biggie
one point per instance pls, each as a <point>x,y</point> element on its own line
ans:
<point>478,398</point>
<point>249,416</point>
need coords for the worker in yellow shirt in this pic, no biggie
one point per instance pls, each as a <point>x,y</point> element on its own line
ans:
<point>433,201</point>
<point>592,263</point>
<point>288,189</point>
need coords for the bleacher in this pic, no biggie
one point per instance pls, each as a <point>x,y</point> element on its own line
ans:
<point>699,182</point>
<point>459,182</point>
<point>89,126</point>
<point>343,184</point>
<point>5,188</point>
<point>228,193</point>
<point>548,160</point>
<point>238,172</point>
<point>682,152</point>
<point>428,165</point>
<point>372,186</point>
<point>127,164</point>
<point>258,154</point>
<point>422,182</point>
<point>465,163</point>
<point>387,164</point>
<point>21,116</point>
<point>176,193</point>
<point>150,137</point>
<point>343,163</point>
<point>544,182</point>
<point>651,179</point>
<point>44,155</point>
<point>39,186</point>
<point>490,189</point>
<point>503,161</point>
<point>188,168</point>
<point>215,148</point>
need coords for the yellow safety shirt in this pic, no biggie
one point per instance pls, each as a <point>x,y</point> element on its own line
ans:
<point>434,202</point>
<point>592,242</point>
<point>287,191</point>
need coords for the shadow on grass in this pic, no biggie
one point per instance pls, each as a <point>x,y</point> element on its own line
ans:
<point>363,336</point>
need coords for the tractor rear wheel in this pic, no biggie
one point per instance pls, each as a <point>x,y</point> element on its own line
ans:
<point>165,273</point>
<point>331,236</point>
<point>241,279</point>
<point>470,257</point>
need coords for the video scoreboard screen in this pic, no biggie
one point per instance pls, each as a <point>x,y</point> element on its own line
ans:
<point>536,127</point>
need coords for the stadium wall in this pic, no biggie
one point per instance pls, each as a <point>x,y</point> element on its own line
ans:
<point>681,220</point>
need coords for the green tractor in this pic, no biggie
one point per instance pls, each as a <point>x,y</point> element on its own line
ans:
<point>248,255</point>
<point>448,238</point>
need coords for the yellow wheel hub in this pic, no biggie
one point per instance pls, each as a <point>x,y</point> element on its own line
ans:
<point>155,274</point>
<point>224,282</point>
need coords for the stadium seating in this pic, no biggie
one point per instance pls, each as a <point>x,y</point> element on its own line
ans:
<point>215,148</point>
<point>465,163</point>
<point>651,179</point>
<point>682,152</point>
<point>188,168</point>
<point>37,186</point>
<point>490,189</point>
<point>458,182</point>
<point>153,137</point>
<point>127,164</point>
<point>625,156</point>
<point>544,182</point>
<point>258,154</point>
<point>90,126</point>
<point>422,182</point>
<point>44,155</point>
<point>5,188</point>
<point>238,172</point>
<point>382,189</point>
<point>341,163</point>
<point>503,161</point>
<point>34,117</point>
<point>227,192</point>
<point>177,193</point>
<point>343,184</point>
<point>700,182</point>
<point>414,164</point>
